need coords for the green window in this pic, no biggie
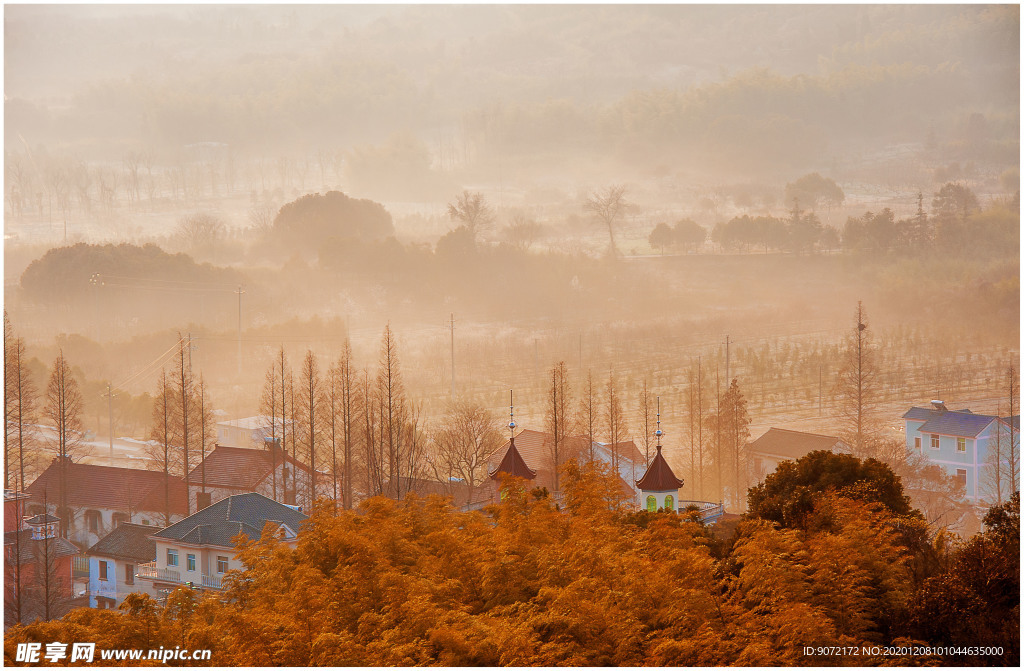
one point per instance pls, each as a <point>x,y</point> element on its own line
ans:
<point>961,444</point>
<point>652,503</point>
<point>670,503</point>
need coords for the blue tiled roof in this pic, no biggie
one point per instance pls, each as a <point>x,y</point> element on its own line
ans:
<point>1013,421</point>
<point>242,513</point>
<point>919,414</point>
<point>963,424</point>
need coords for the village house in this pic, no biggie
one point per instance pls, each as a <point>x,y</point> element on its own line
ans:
<point>777,445</point>
<point>247,431</point>
<point>113,563</point>
<point>200,549</point>
<point>99,498</point>
<point>962,443</point>
<point>228,470</point>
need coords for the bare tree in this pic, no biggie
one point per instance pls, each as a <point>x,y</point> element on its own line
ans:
<point>522,232</point>
<point>696,416</point>
<point>559,416</point>
<point>310,417</point>
<point>615,419</point>
<point>21,399</point>
<point>183,426</point>
<point>588,412</point>
<point>349,398</point>
<point>472,211</point>
<point>207,429</point>
<point>608,205</point>
<point>646,409</point>
<point>857,388</point>
<point>269,408</point>
<point>160,449</point>
<point>199,230</point>
<point>63,409</point>
<point>468,434</point>
<point>393,408</point>
<point>261,216</point>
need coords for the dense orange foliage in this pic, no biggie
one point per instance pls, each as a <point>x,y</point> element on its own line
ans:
<point>524,583</point>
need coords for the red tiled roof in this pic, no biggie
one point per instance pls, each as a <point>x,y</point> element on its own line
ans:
<point>659,477</point>
<point>238,467</point>
<point>110,487</point>
<point>513,464</point>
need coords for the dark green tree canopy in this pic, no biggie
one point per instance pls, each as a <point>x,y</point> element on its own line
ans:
<point>787,496</point>
<point>304,223</point>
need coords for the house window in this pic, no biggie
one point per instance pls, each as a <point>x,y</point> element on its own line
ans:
<point>103,570</point>
<point>190,562</point>
<point>961,444</point>
<point>222,564</point>
<point>917,443</point>
<point>652,503</point>
<point>172,557</point>
<point>961,476</point>
<point>670,503</point>
<point>203,500</point>
<point>129,574</point>
<point>935,441</point>
<point>118,519</point>
<point>93,520</point>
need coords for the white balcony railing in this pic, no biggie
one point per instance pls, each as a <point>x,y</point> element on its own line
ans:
<point>149,571</point>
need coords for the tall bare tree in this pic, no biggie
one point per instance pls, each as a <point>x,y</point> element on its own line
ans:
<point>646,410</point>
<point>21,399</point>
<point>608,205</point>
<point>393,409</point>
<point>589,412</point>
<point>160,449</point>
<point>615,419</point>
<point>696,411</point>
<point>310,417</point>
<point>559,416</point>
<point>183,425</point>
<point>857,388</point>
<point>349,409</point>
<point>207,428</point>
<point>63,410</point>
<point>270,408</point>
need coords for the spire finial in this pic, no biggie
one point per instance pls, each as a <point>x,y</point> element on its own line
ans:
<point>659,433</point>
<point>511,416</point>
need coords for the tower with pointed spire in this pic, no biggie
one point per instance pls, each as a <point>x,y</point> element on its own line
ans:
<point>512,463</point>
<point>659,486</point>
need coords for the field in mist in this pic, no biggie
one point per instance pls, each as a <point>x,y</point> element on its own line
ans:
<point>159,163</point>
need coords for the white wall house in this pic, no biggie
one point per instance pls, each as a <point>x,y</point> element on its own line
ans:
<point>963,444</point>
<point>101,498</point>
<point>114,562</point>
<point>199,550</point>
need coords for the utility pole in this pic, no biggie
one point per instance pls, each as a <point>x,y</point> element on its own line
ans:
<point>452,326</point>
<point>239,292</point>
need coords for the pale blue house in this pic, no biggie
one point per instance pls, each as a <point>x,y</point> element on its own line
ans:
<point>960,442</point>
